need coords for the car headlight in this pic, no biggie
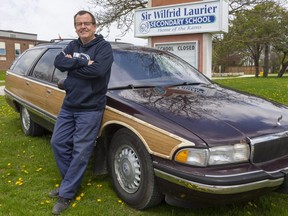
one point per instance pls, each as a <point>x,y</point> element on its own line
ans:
<point>214,156</point>
<point>196,157</point>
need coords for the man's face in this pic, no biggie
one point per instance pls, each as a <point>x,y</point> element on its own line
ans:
<point>85,28</point>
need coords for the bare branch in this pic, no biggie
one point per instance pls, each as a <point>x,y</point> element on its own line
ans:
<point>120,12</point>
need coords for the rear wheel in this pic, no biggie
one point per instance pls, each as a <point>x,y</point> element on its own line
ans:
<point>131,171</point>
<point>29,127</point>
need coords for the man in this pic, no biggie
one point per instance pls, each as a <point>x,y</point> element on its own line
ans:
<point>88,61</point>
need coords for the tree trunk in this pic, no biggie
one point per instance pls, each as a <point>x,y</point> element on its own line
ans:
<point>256,63</point>
<point>257,69</point>
<point>256,56</point>
<point>266,60</point>
<point>283,69</point>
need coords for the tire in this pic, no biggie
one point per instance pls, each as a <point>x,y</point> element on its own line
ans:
<point>131,171</point>
<point>29,127</point>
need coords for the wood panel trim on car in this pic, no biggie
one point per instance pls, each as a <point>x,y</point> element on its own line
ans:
<point>149,134</point>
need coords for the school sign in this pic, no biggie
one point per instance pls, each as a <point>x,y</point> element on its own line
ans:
<point>189,18</point>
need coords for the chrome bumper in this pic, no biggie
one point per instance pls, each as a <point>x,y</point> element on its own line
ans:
<point>218,189</point>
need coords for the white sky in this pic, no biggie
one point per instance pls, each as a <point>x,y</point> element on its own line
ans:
<point>50,18</point>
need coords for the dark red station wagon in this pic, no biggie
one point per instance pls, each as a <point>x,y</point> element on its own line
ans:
<point>168,132</point>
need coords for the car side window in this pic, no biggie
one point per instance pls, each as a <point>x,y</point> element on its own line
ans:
<point>25,61</point>
<point>58,75</point>
<point>45,66</point>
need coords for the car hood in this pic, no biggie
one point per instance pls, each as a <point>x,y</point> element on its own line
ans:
<point>216,115</point>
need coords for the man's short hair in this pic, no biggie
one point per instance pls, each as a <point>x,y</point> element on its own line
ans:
<point>82,12</point>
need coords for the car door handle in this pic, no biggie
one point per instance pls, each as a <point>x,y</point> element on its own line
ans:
<point>49,91</point>
<point>27,83</point>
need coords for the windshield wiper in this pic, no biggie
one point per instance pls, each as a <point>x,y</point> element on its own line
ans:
<point>131,86</point>
<point>186,83</point>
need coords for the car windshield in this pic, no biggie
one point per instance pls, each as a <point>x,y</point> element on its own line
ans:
<point>141,68</point>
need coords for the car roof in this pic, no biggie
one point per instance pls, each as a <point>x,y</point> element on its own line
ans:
<point>65,42</point>
<point>61,43</point>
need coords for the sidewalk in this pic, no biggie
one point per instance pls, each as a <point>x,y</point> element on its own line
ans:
<point>1,90</point>
<point>229,77</point>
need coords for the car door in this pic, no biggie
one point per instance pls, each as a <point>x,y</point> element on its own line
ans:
<point>43,93</point>
<point>40,77</point>
<point>55,96</point>
<point>17,81</point>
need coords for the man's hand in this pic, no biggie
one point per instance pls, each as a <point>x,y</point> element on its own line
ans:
<point>70,56</point>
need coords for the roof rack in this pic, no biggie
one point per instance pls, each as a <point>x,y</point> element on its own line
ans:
<point>61,40</point>
<point>114,44</point>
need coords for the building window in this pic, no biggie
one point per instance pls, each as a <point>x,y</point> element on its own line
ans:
<point>17,49</point>
<point>2,48</point>
<point>31,45</point>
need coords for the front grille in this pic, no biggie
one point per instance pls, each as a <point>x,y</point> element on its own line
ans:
<point>270,147</point>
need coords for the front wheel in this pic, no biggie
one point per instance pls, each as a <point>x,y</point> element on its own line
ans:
<point>131,171</point>
<point>29,127</point>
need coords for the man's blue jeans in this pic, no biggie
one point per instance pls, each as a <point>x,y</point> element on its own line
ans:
<point>73,141</point>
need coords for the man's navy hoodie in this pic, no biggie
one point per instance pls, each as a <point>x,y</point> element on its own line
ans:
<point>86,85</point>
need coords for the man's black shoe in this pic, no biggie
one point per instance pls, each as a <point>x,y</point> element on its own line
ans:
<point>61,205</point>
<point>54,193</point>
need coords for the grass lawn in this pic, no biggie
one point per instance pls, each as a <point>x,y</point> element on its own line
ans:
<point>2,75</point>
<point>272,87</point>
<point>2,78</point>
<point>28,172</point>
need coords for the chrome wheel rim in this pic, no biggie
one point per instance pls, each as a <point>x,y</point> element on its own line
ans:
<point>25,118</point>
<point>127,169</point>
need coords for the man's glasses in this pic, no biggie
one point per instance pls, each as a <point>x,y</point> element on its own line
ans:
<point>86,24</point>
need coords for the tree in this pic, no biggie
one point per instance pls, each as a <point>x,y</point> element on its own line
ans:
<point>272,16</point>
<point>227,52</point>
<point>236,6</point>
<point>244,31</point>
<point>120,12</point>
<point>256,28</point>
<point>281,43</point>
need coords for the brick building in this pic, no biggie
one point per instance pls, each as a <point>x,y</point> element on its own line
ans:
<point>12,44</point>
